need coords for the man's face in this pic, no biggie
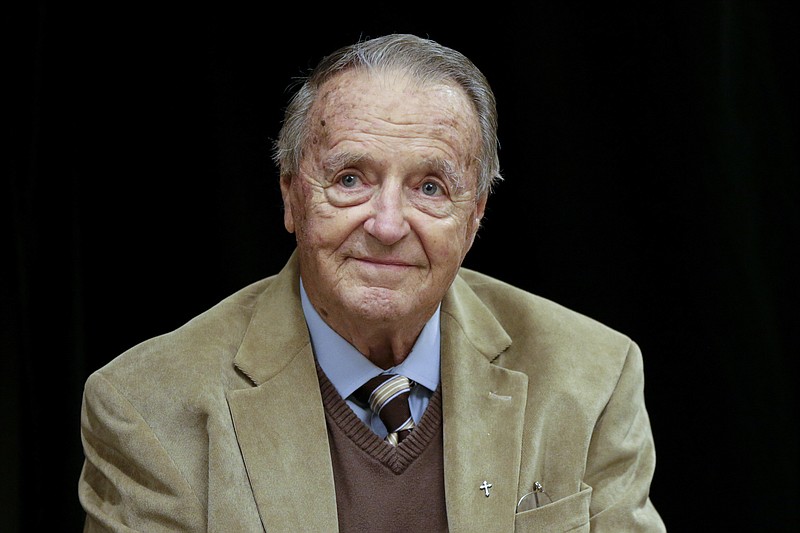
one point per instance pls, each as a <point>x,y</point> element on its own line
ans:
<point>384,207</point>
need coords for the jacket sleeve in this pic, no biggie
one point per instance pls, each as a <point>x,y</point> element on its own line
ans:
<point>128,481</point>
<point>621,459</point>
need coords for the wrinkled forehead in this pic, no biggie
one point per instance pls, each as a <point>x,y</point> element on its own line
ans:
<point>395,95</point>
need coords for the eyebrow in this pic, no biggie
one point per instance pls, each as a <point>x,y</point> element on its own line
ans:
<point>449,172</point>
<point>341,160</point>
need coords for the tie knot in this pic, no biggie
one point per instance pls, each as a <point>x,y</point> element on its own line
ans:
<point>382,389</point>
<point>387,396</point>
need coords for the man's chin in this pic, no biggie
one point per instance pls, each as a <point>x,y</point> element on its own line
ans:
<point>379,303</point>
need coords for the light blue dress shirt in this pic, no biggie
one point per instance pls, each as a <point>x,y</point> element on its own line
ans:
<point>347,369</point>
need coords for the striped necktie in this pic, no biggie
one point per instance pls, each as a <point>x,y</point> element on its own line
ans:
<point>387,396</point>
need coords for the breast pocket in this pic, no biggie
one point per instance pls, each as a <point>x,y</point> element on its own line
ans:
<point>567,514</point>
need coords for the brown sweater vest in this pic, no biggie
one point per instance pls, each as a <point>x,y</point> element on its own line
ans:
<point>379,487</point>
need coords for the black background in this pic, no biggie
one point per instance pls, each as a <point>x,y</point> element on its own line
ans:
<point>651,176</point>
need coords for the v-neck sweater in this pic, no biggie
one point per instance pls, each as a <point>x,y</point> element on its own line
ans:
<point>380,487</point>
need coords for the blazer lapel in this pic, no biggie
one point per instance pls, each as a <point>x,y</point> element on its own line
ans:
<point>280,423</point>
<point>285,450</point>
<point>483,407</point>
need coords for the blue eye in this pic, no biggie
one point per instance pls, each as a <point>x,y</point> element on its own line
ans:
<point>349,181</point>
<point>430,188</point>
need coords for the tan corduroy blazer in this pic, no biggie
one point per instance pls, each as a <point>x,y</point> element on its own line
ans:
<point>219,425</point>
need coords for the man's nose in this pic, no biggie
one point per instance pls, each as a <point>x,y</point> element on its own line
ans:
<point>387,221</point>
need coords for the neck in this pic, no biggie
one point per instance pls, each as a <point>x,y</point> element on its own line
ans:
<point>386,345</point>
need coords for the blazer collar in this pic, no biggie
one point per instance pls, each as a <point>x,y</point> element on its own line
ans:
<point>277,332</point>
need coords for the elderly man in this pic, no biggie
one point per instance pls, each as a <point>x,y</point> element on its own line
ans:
<point>495,410</point>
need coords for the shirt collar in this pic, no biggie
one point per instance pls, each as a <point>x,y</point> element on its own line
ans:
<point>347,369</point>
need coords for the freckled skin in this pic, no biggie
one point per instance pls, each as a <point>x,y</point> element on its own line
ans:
<point>384,207</point>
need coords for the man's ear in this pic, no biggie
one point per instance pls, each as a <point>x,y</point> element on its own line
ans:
<point>480,209</point>
<point>286,193</point>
